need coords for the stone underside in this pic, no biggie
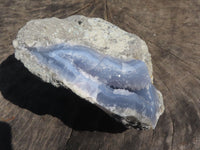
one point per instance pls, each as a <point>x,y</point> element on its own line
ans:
<point>88,56</point>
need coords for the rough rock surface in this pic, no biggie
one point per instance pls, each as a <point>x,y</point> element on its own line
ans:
<point>94,33</point>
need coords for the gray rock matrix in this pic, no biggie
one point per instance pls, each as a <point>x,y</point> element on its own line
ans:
<point>96,34</point>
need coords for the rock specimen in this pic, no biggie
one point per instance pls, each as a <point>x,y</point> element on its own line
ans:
<point>96,60</point>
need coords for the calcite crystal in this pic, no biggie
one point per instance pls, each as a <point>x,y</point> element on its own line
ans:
<point>96,60</point>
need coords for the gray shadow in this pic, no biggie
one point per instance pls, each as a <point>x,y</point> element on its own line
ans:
<point>5,136</point>
<point>26,90</point>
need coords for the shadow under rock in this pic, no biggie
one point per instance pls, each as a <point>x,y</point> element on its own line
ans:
<point>26,90</point>
<point>5,136</point>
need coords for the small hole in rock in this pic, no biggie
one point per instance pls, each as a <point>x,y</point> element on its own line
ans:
<point>79,22</point>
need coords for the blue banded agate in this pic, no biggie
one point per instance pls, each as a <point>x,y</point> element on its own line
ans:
<point>121,87</point>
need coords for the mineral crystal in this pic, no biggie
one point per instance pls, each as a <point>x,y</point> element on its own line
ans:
<point>120,85</point>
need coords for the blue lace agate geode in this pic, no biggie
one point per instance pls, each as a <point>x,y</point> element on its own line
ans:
<point>122,88</point>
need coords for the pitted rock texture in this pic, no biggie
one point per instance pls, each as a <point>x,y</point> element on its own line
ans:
<point>95,33</point>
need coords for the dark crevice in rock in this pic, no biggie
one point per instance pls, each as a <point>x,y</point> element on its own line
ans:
<point>116,88</point>
<point>79,22</point>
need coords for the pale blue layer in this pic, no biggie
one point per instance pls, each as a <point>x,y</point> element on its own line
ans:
<point>71,61</point>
